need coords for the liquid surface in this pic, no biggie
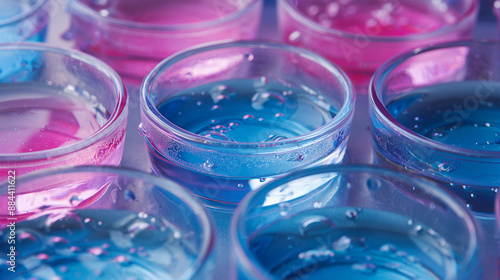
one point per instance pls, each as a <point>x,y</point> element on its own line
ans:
<point>34,118</point>
<point>351,244</point>
<point>454,114</point>
<point>259,110</point>
<point>377,17</point>
<point>97,244</point>
<point>161,12</point>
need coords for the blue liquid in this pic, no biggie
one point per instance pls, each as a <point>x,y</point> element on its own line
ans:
<point>245,110</point>
<point>356,244</point>
<point>96,244</point>
<point>453,114</point>
<point>464,115</point>
<point>258,110</point>
<point>32,28</point>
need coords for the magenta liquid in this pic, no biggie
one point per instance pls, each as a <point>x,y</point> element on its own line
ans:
<point>37,119</point>
<point>360,35</point>
<point>133,36</point>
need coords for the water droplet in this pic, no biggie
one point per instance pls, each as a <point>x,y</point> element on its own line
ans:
<point>332,9</point>
<point>487,124</point>
<point>294,37</point>
<point>279,115</point>
<point>317,226</point>
<point>240,186</point>
<point>268,99</point>
<point>75,249</point>
<point>208,166</point>
<point>189,76</point>
<point>401,254</point>
<point>58,241</point>
<point>221,92</point>
<point>410,222</point>
<point>418,229</point>
<point>312,10</point>
<point>122,260</point>
<point>142,215</point>
<point>365,268</point>
<point>320,254</point>
<point>233,125</point>
<point>26,237</point>
<point>97,251</point>
<point>445,167</point>
<point>63,221</point>
<point>298,158</point>
<point>373,183</point>
<point>413,259</point>
<point>198,103</point>
<point>249,56</point>
<point>74,200</point>
<point>43,257</point>
<point>351,214</point>
<point>342,244</point>
<point>284,208</point>
<point>388,248</point>
<point>249,118</point>
<point>215,108</point>
<point>214,135</point>
<point>129,195</point>
<point>262,180</point>
<point>317,204</point>
<point>87,220</point>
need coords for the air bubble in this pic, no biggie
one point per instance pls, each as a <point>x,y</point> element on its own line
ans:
<point>97,251</point>
<point>208,166</point>
<point>317,226</point>
<point>221,92</point>
<point>418,229</point>
<point>322,253</point>
<point>214,135</point>
<point>240,186</point>
<point>129,195</point>
<point>249,56</point>
<point>233,125</point>
<point>445,167</point>
<point>351,214</point>
<point>74,200</point>
<point>373,183</point>
<point>342,244</point>
<point>365,268</point>
<point>312,10</point>
<point>57,241</point>
<point>279,115</point>
<point>43,257</point>
<point>249,118</point>
<point>268,99</point>
<point>284,208</point>
<point>388,248</point>
<point>294,36</point>
<point>215,108</point>
<point>317,204</point>
<point>262,180</point>
<point>122,260</point>
<point>63,221</point>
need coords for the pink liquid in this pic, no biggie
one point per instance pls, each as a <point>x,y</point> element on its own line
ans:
<point>360,35</point>
<point>35,119</point>
<point>173,26</point>
<point>32,121</point>
<point>380,18</point>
